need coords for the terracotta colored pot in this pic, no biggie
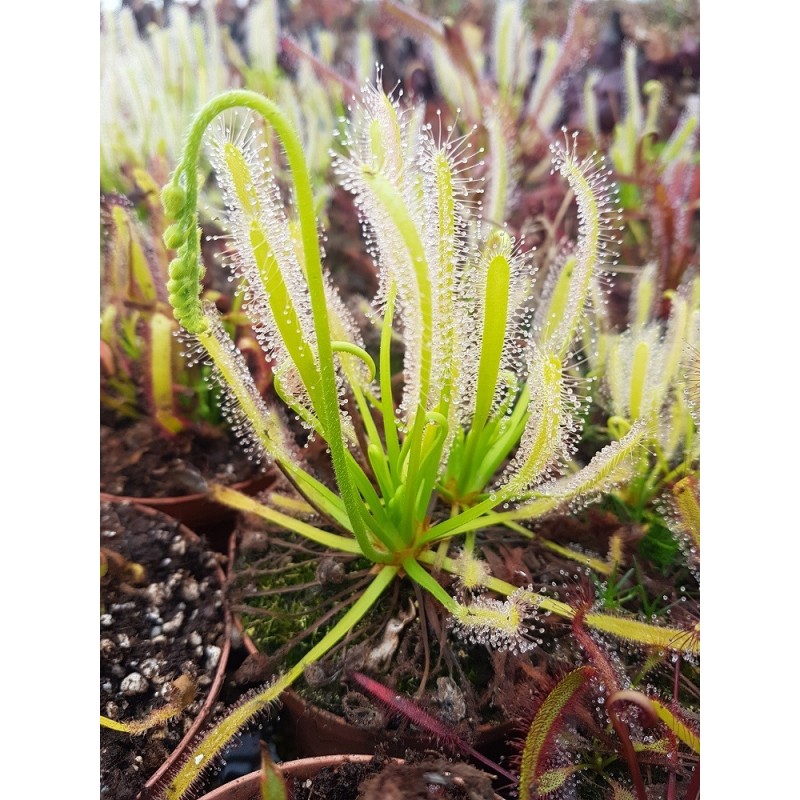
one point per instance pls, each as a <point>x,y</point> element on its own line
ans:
<point>197,511</point>
<point>247,787</point>
<point>219,675</point>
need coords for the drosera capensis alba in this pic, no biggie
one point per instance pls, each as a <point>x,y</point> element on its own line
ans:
<point>478,387</point>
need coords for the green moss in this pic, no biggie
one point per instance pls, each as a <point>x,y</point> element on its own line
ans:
<point>660,546</point>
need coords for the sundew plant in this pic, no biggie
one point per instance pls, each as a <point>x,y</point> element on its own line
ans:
<point>489,412</point>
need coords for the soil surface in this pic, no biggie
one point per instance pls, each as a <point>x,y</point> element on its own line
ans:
<point>138,460</point>
<point>154,628</point>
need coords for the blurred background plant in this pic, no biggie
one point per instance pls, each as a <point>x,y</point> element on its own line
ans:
<point>159,64</point>
<point>150,86</point>
<point>143,374</point>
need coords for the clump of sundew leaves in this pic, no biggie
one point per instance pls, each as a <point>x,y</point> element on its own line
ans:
<point>152,82</point>
<point>479,387</point>
<point>659,174</point>
<point>517,82</point>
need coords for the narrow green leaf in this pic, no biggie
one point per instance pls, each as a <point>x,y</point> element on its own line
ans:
<point>641,356</point>
<point>395,206</point>
<point>686,494</point>
<point>161,343</point>
<point>387,405</point>
<point>495,313</point>
<point>283,310</point>
<point>555,309</point>
<point>243,182</point>
<point>242,502</point>
<point>543,435</point>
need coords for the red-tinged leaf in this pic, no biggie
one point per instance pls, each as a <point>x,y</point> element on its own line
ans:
<point>546,723</point>
<point>619,792</point>
<point>404,706</point>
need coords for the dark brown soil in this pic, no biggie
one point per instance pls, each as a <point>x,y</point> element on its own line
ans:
<point>337,783</point>
<point>156,629</point>
<point>138,460</point>
<point>382,780</point>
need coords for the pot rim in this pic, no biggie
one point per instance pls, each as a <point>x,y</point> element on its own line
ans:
<point>246,787</point>
<point>187,508</point>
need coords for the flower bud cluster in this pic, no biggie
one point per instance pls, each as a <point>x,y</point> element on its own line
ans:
<point>185,271</point>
